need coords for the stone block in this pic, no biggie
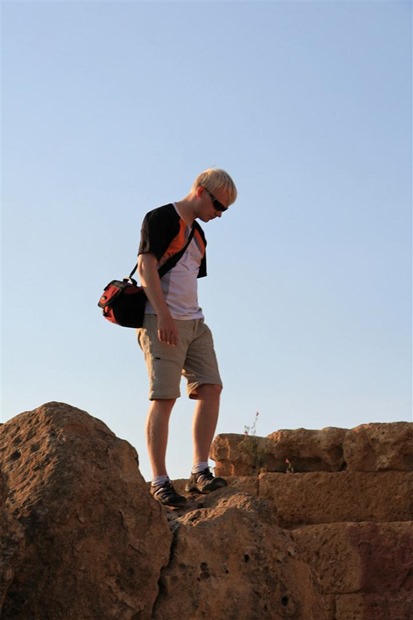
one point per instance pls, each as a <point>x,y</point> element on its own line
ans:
<point>310,450</point>
<point>243,455</point>
<point>306,450</point>
<point>361,606</point>
<point>379,447</point>
<point>369,447</point>
<point>312,498</point>
<point>359,557</point>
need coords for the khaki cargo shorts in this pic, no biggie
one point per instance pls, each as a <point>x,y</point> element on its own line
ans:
<point>193,357</point>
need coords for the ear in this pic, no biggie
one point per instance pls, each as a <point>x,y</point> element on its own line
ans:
<point>199,191</point>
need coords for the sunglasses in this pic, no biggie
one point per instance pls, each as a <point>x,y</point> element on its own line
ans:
<point>218,206</point>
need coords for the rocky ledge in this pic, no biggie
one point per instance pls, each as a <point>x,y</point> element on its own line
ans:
<point>314,525</point>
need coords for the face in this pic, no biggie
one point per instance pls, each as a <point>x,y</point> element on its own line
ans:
<point>213,204</point>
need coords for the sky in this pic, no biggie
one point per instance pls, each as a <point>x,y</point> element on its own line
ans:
<point>110,109</point>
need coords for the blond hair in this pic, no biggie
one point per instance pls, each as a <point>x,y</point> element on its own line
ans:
<point>215,178</point>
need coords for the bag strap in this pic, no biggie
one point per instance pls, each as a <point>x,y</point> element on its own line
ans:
<point>173,260</point>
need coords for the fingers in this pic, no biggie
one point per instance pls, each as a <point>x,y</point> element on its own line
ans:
<point>168,337</point>
<point>171,340</point>
<point>167,329</point>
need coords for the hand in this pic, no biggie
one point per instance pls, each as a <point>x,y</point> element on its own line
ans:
<point>167,330</point>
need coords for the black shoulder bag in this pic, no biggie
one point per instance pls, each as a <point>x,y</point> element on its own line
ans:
<point>123,301</point>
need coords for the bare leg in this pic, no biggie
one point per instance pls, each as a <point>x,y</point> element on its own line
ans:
<point>205,420</point>
<point>157,426</point>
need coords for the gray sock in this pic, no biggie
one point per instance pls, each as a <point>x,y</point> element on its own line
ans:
<point>158,481</point>
<point>196,469</point>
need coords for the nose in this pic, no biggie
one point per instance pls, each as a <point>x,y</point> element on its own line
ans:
<point>218,214</point>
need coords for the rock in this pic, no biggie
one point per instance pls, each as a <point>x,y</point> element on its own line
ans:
<point>243,455</point>
<point>305,499</point>
<point>306,450</point>
<point>327,535</point>
<point>369,447</point>
<point>95,541</point>
<point>11,543</point>
<point>374,557</point>
<point>379,447</point>
<point>361,606</point>
<point>232,561</point>
<point>245,484</point>
<point>310,450</point>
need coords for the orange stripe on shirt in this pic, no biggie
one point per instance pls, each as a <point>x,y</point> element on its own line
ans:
<point>176,244</point>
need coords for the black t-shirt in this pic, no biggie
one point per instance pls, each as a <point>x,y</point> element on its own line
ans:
<point>164,233</point>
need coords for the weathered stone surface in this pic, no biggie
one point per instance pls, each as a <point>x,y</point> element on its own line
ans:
<point>378,447</point>
<point>304,499</point>
<point>232,561</point>
<point>306,450</point>
<point>245,484</point>
<point>368,606</point>
<point>359,557</point>
<point>369,447</point>
<point>11,543</point>
<point>310,450</point>
<point>81,538</point>
<point>95,541</point>
<point>243,455</point>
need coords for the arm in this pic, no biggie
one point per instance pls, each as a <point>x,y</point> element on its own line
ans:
<point>149,277</point>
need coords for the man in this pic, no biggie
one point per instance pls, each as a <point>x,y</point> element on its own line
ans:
<point>174,338</point>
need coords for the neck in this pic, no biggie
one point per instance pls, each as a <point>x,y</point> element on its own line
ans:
<point>186,211</point>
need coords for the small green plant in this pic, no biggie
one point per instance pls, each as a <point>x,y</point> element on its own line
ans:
<point>251,430</point>
<point>250,447</point>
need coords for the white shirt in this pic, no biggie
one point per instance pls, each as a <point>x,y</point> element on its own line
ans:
<point>180,284</point>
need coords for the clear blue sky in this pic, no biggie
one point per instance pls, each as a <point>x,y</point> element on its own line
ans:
<point>111,109</point>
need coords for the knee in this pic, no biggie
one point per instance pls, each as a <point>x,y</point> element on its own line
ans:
<point>209,391</point>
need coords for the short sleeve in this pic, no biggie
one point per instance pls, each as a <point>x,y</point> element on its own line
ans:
<point>159,227</point>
